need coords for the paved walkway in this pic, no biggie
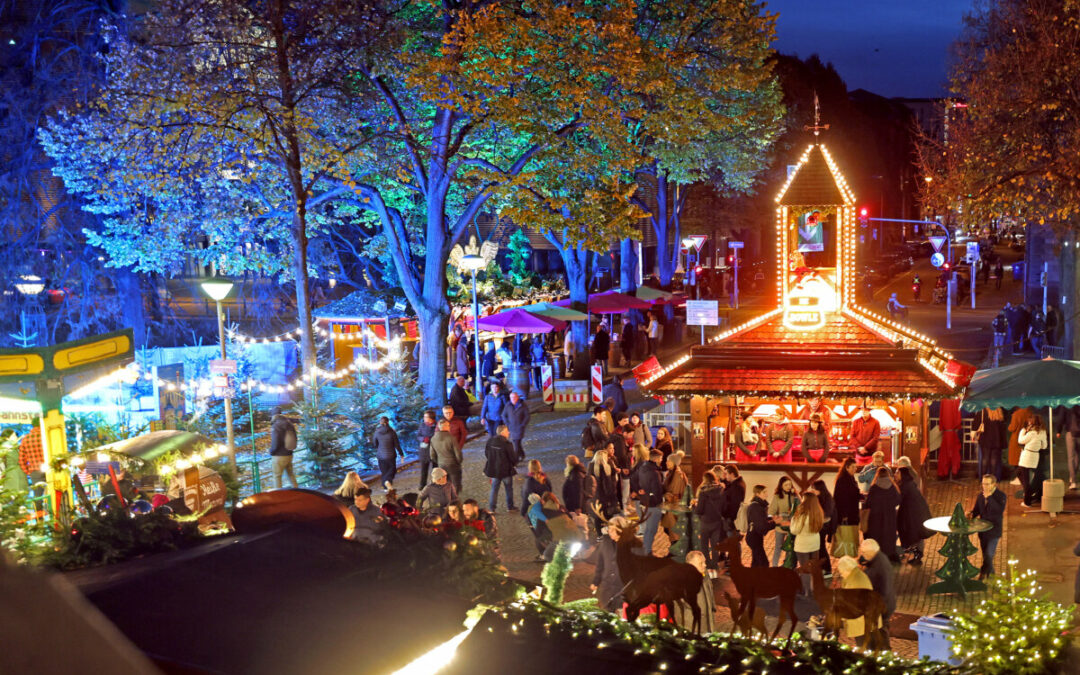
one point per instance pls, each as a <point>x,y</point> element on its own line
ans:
<point>553,435</point>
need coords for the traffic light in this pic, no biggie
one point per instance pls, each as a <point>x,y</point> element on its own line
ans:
<point>864,217</point>
<point>946,270</point>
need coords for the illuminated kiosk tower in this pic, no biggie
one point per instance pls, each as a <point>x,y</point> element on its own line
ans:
<point>817,343</point>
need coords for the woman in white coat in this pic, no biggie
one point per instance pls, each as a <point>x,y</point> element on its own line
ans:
<point>1033,443</point>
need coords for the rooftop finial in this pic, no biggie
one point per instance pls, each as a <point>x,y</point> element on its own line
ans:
<point>818,126</point>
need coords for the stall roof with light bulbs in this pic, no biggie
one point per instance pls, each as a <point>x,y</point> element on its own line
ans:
<point>849,352</point>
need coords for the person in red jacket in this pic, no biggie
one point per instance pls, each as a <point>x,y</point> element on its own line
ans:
<point>864,433</point>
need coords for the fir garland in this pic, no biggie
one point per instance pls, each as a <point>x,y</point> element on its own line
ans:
<point>554,574</point>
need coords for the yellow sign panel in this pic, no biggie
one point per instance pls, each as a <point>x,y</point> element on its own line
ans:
<point>21,364</point>
<point>73,357</point>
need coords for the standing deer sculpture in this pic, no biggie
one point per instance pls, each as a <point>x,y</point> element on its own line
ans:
<point>649,580</point>
<point>761,582</point>
<point>847,603</point>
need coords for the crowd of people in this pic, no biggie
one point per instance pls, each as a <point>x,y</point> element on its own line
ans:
<point>1021,328</point>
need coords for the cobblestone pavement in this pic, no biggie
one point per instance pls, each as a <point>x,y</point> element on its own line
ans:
<point>553,435</point>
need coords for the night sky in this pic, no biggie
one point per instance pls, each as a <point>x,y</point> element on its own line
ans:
<point>889,47</point>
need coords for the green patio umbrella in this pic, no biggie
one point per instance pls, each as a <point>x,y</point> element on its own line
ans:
<point>551,311</point>
<point>1037,384</point>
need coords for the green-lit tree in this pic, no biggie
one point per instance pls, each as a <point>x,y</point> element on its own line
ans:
<point>520,252</point>
<point>1016,629</point>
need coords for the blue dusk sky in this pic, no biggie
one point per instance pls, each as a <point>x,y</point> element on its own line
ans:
<point>889,47</point>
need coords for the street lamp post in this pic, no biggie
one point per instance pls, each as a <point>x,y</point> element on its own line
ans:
<point>473,263</point>
<point>217,289</point>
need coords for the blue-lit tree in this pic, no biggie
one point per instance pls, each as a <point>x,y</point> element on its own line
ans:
<point>219,133</point>
<point>48,59</point>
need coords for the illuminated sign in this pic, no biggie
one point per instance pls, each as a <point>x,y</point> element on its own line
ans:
<point>808,302</point>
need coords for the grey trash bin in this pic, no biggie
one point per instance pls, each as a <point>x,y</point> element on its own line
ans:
<point>934,641</point>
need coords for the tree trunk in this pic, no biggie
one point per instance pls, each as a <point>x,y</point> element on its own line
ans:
<point>1070,286</point>
<point>132,294</point>
<point>575,261</point>
<point>628,265</point>
<point>303,301</point>
<point>432,374</point>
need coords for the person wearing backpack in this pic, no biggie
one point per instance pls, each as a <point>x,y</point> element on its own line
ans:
<point>282,445</point>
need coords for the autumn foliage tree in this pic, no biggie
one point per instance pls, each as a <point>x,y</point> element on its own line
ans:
<point>474,103</point>
<point>714,113</point>
<point>1013,153</point>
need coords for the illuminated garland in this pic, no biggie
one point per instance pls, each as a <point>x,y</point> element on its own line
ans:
<point>294,335</point>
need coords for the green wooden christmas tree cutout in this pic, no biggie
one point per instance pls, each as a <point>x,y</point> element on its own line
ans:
<point>957,574</point>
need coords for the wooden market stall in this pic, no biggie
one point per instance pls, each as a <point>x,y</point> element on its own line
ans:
<point>817,350</point>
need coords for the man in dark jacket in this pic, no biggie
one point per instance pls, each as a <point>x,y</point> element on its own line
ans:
<point>457,426</point>
<point>616,393</point>
<point>883,580</point>
<point>282,444</point>
<point>593,438</point>
<point>627,341</point>
<point>367,519</point>
<point>760,524</point>
<point>447,453</point>
<point>459,399</point>
<point>500,458</point>
<point>649,491</point>
<point>387,446</point>
<point>734,495</point>
<point>601,344</point>
<point>516,417</point>
<point>990,506</point>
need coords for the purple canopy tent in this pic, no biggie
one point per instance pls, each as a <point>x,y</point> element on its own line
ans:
<point>519,321</point>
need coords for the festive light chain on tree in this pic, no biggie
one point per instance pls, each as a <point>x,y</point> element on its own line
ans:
<point>204,386</point>
<point>1016,629</point>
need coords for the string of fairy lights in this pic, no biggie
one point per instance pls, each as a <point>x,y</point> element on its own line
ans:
<point>204,386</point>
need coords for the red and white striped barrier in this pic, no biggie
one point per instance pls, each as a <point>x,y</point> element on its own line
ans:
<point>547,377</point>
<point>597,384</point>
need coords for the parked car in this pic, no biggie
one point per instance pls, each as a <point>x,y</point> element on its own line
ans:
<point>918,248</point>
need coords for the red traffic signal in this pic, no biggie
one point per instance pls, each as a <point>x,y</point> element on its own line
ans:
<point>864,212</point>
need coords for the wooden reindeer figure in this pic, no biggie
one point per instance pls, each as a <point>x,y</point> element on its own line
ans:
<point>847,603</point>
<point>650,580</point>
<point>746,623</point>
<point>761,582</point>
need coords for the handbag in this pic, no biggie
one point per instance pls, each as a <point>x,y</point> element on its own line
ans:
<point>864,520</point>
<point>845,541</point>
